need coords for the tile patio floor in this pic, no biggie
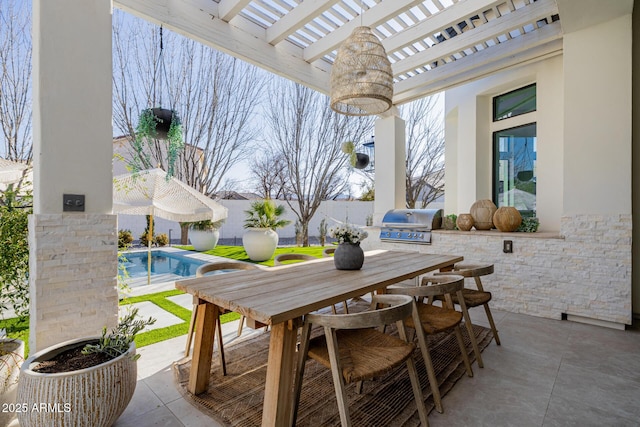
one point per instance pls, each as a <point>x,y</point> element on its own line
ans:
<point>546,373</point>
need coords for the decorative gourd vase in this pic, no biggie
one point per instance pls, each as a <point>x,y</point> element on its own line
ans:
<point>464,222</point>
<point>507,219</point>
<point>348,256</point>
<point>482,212</point>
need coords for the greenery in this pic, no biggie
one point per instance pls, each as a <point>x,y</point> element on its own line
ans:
<point>529,225</point>
<point>117,342</point>
<point>206,225</point>
<point>449,222</point>
<point>14,251</point>
<point>146,136</point>
<point>161,239</point>
<point>265,214</point>
<point>322,230</point>
<point>145,234</point>
<point>125,238</point>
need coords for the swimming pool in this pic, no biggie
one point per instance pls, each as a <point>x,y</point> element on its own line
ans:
<point>165,266</point>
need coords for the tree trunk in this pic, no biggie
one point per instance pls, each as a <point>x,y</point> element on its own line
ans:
<point>184,233</point>
<point>305,233</point>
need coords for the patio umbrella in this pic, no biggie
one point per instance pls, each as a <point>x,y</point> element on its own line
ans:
<point>150,193</point>
<point>11,172</point>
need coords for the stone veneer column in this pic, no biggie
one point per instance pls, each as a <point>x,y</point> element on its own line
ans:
<point>73,261</point>
<point>72,276</point>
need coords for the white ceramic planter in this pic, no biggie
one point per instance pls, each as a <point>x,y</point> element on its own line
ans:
<point>94,396</point>
<point>260,243</point>
<point>204,240</point>
<point>10,361</point>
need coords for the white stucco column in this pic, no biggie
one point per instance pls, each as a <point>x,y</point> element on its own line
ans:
<point>73,255</point>
<point>390,166</point>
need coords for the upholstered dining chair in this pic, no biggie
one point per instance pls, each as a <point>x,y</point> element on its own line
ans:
<point>435,319</point>
<point>475,297</point>
<point>201,271</point>
<point>280,259</point>
<point>355,351</point>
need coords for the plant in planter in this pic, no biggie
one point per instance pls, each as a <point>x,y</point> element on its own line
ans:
<point>357,160</point>
<point>90,380</point>
<point>204,235</point>
<point>157,124</point>
<point>263,218</point>
<point>348,254</point>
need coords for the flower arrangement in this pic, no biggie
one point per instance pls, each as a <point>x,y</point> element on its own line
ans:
<point>346,233</point>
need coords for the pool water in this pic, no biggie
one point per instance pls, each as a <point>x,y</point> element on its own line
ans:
<point>164,265</point>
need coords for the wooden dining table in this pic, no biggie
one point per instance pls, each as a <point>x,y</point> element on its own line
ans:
<point>280,297</point>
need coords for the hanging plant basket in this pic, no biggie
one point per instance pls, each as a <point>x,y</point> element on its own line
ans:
<point>163,118</point>
<point>158,124</point>
<point>362,161</point>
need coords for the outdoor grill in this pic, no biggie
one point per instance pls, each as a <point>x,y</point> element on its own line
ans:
<point>410,225</point>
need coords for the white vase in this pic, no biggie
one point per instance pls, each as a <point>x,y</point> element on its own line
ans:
<point>11,357</point>
<point>204,240</point>
<point>260,243</point>
<point>94,396</point>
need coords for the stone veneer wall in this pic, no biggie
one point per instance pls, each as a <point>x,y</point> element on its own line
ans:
<point>73,269</point>
<point>583,271</point>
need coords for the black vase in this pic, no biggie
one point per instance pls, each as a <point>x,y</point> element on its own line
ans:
<point>362,161</point>
<point>348,256</point>
<point>163,119</point>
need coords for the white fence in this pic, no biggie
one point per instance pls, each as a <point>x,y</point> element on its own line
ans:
<point>354,212</point>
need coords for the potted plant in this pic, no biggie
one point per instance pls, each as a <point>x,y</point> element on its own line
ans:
<point>204,235</point>
<point>348,254</point>
<point>90,381</point>
<point>357,160</point>
<point>157,124</point>
<point>263,218</point>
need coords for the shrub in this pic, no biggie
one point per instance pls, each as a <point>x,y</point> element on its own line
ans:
<point>125,238</point>
<point>162,239</point>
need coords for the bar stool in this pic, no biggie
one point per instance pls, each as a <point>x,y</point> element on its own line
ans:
<point>476,297</point>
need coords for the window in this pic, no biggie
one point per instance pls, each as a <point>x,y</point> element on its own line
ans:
<point>514,168</point>
<point>514,103</point>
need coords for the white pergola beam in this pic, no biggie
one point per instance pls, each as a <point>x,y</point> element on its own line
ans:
<point>240,40</point>
<point>296,19</point>
<point>532,46</point>
<point>378,14</point>
<point>438,22</point>
<point>228,9</point>
<point>513,20</point>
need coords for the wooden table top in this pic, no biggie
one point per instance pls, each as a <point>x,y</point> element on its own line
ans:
<point>277,294</point>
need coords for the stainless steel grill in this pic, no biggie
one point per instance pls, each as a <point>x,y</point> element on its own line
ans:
<point>410,225</point>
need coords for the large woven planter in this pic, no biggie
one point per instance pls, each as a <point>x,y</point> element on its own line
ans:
<point>507,219</point>
<point>482,212</point>
<point>11,356</point>
<point>94,396</point>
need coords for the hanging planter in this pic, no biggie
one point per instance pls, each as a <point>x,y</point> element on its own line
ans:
<point>357,160</point>
<point>159,124</point>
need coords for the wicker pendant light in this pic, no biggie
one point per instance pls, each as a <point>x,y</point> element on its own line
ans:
<point>361,76</point>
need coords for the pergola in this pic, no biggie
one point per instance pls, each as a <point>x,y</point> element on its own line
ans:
<point>433,45</point>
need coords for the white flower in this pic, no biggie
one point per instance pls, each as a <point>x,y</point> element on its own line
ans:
<point>346,233</point>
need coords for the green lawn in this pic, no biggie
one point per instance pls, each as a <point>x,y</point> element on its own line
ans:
<point>20,328</point>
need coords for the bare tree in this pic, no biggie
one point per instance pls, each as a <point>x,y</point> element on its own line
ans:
<point>308,135</point>
<point>216,96</point>
<point>267,170</point>
<point>15,80</point>
<point>425,151</point>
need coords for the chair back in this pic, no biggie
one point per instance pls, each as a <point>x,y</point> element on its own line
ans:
<point>399,308</point>
<point>280,258</point>
<point>472,270</point>
<point>327,252</point>
<point>431,286</point>
<point>224,265</point>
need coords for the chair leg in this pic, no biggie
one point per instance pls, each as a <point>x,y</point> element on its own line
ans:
<point>494,330</point>
<point>240,325</point>
<point>426,357</point>
<point>463,350</point>
<point>302,359</point>
<point>223,363</point>
<point>192,324</point>
<point>338,380</point>
<point>413,372</point>
<point>469,326</point>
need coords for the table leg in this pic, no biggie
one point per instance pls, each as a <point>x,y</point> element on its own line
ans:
<point>278,394</point>
<point>206,319</point>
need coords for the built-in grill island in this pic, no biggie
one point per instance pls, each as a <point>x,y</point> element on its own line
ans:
<point>410,225</point>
